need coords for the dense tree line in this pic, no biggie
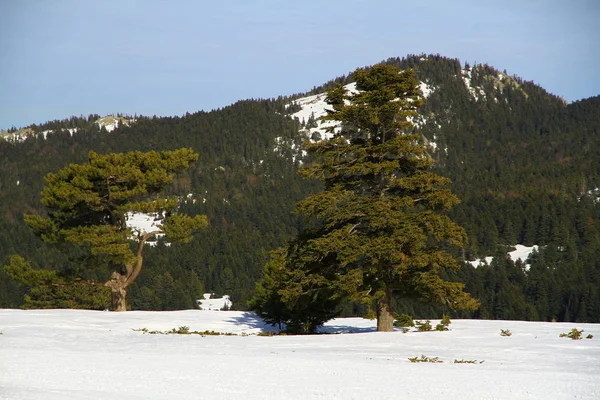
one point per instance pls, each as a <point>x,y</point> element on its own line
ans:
<point>523,163</point>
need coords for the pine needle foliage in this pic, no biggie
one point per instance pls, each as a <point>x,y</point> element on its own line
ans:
<point>87,204</point>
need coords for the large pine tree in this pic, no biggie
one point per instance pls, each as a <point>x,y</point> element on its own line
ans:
<point>380,224</point>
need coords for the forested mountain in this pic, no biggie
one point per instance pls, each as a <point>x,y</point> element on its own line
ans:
<point>525,164</point>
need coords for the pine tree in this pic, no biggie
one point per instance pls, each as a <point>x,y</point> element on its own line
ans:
<point>290,294</point>
<point>381,228</point>
<point>87,205</point>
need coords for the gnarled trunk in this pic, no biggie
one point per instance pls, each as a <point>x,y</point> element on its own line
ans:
<point>118,282</point>
<point>118,295</point>
<point>385,319</point>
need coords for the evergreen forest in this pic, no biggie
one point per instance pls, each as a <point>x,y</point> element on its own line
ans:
<point>524,164</point>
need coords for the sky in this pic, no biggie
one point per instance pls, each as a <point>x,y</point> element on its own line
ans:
<point>153,57</point>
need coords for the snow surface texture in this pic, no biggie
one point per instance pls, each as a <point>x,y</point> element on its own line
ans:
<point>521,253</point>
<point>214,304</point>
<point>77,355</point>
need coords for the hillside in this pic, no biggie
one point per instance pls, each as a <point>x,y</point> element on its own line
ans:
<point>79,354</point>
<point>525,165</point>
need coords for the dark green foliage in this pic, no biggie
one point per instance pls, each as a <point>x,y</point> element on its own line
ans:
<point>46,289</point>
<point>86,207</point>
<point>423,326</point>
<point>443,324</point>
<point>403,320</point>
<point>289,294</point>
<point>524,166</point>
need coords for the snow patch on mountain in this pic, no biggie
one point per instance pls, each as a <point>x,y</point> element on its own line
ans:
<point>51,131</point>
<point>285,146</point>
<point>594,194</point>
<point>17,136</point>
<point>312,108</point>
<point>110,122</point>
<point>520,253</point>
<point>467,77</point>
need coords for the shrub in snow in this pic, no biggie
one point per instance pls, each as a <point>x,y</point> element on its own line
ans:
<point>184,330</point>
<point>590,336</point>
<point>425,359</point>
<point>443,325</point>
<point>575,334</point>
<point>505,332</point>
<point>423,326</point>
<point>403,320</point>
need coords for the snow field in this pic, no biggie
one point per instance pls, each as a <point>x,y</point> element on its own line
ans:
<point>75,354</point>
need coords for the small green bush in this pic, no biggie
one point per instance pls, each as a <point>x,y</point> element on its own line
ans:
<point>575,334</point>
<point>505,332</point>
<point>590,336</point>
<point>424,358</point>
<point>423,326</point>
<point>443,325</point>
<point>183,330</point>
<point>403,320</point>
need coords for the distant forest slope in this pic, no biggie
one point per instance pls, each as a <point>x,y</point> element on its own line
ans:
<point>525,164</point>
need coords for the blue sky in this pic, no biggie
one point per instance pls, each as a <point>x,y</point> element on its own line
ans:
<point>73,57</point>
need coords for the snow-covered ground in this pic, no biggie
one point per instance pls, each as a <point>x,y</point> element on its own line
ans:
<point>74,354</point>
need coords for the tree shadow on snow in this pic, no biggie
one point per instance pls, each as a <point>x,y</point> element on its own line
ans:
<point>252,321</point>
<point>333,329</point>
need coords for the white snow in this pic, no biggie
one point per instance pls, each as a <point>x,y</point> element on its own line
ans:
<point>476,92</point>
<point>214,304</point>
<point>141,223</point>
<point>426,89</point>
<point>82,355</point>
<point>315,107</point>
<point>520,253</point>
<point>110,122</point>
<point>595,195</point>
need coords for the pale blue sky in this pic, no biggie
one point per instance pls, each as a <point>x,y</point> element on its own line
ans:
<point>75,57</point>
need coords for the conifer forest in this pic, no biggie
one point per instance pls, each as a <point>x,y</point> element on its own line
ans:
<point>507,162</point>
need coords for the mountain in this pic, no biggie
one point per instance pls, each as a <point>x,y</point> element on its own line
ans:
<point>525,164</point>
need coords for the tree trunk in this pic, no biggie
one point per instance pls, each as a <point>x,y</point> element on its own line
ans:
<point>385,319</point>
<point>117,285</point>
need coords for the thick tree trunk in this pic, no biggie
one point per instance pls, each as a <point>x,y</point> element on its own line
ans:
<point>117,285</point>
<point>385,319</point>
